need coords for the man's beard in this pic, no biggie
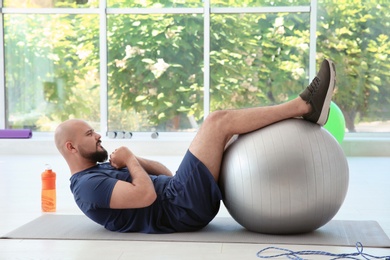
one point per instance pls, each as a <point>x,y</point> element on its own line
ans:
<point>97,156</point>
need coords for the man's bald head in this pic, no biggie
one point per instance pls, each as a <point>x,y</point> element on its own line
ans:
<point>67,132</point>
<point>79,144</point>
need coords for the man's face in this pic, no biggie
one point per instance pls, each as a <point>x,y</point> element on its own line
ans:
<point>89,145</point>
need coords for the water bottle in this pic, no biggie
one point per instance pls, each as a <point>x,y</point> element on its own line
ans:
<point>48,195</point>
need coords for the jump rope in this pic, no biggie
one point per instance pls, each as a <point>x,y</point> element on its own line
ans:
<point>296,255</point>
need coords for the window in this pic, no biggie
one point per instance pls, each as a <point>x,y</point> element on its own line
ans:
<point>164,65</point>
<point>50,3</point>
<point>155,68</point>
<point>269,66</point>
<point>51,68</point>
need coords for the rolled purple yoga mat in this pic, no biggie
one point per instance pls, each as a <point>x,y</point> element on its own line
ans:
<point>15,133</point>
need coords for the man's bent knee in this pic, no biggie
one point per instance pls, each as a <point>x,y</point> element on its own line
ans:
<point>217,119</point>
<point>217,123</point>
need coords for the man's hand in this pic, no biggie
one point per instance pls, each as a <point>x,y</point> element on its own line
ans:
<point>140,191</point>
<point>120,156</point>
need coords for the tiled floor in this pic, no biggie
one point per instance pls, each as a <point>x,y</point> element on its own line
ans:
<point>368,198</point>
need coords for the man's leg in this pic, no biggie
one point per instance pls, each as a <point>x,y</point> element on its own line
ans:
<point>209,143</point>
<point>313,104</point>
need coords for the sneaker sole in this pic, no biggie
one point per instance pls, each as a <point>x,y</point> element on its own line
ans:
<point>326,107</point>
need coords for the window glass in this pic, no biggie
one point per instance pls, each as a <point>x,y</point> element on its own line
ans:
<point>155,62</point>
<point>257,3</point>
<point>355,34</point>
<point>155,72</point>
<point>258,59</point>
<point>153,3</point>
<point>50,3</point>
<point>51,70</point>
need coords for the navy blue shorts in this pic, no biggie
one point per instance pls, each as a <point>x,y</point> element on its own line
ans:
<point>191,198</point>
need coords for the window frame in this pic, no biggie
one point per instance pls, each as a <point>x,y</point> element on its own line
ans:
<point>103,11</point>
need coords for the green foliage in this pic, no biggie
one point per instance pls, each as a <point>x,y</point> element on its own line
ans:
<point>154,3</point>
<point>266,67</point>
<point>53,3</point>
<point>355,35</point>
<point>64,68</point>
<point>155,65</point>
<point>155,62</point>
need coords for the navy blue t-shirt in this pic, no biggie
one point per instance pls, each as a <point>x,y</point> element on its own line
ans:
<point>186,202</point>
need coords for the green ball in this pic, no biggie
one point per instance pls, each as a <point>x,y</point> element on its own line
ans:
<point>336,123</point>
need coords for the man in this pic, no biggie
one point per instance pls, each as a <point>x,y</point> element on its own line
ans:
<point>133,194</point>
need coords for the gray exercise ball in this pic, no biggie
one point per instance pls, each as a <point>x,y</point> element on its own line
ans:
<point>287,178</point>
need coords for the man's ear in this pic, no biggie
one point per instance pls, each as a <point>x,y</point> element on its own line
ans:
<point>69,146</point>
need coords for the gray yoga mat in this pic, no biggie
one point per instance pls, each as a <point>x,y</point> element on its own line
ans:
<point>220,230</point>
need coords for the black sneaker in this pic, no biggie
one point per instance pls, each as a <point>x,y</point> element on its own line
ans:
<point>319,93</point>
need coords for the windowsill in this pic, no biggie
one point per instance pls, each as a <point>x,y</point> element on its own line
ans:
<point>166,144</point>
<point>176,144</point>
<point>366,144</point>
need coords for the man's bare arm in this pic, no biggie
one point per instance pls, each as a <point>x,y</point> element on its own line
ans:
<point>137,194</point>
<point>153,167</point>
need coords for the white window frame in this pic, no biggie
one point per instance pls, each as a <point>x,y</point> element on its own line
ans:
<point>355,144</point>
<point>103,11</point>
